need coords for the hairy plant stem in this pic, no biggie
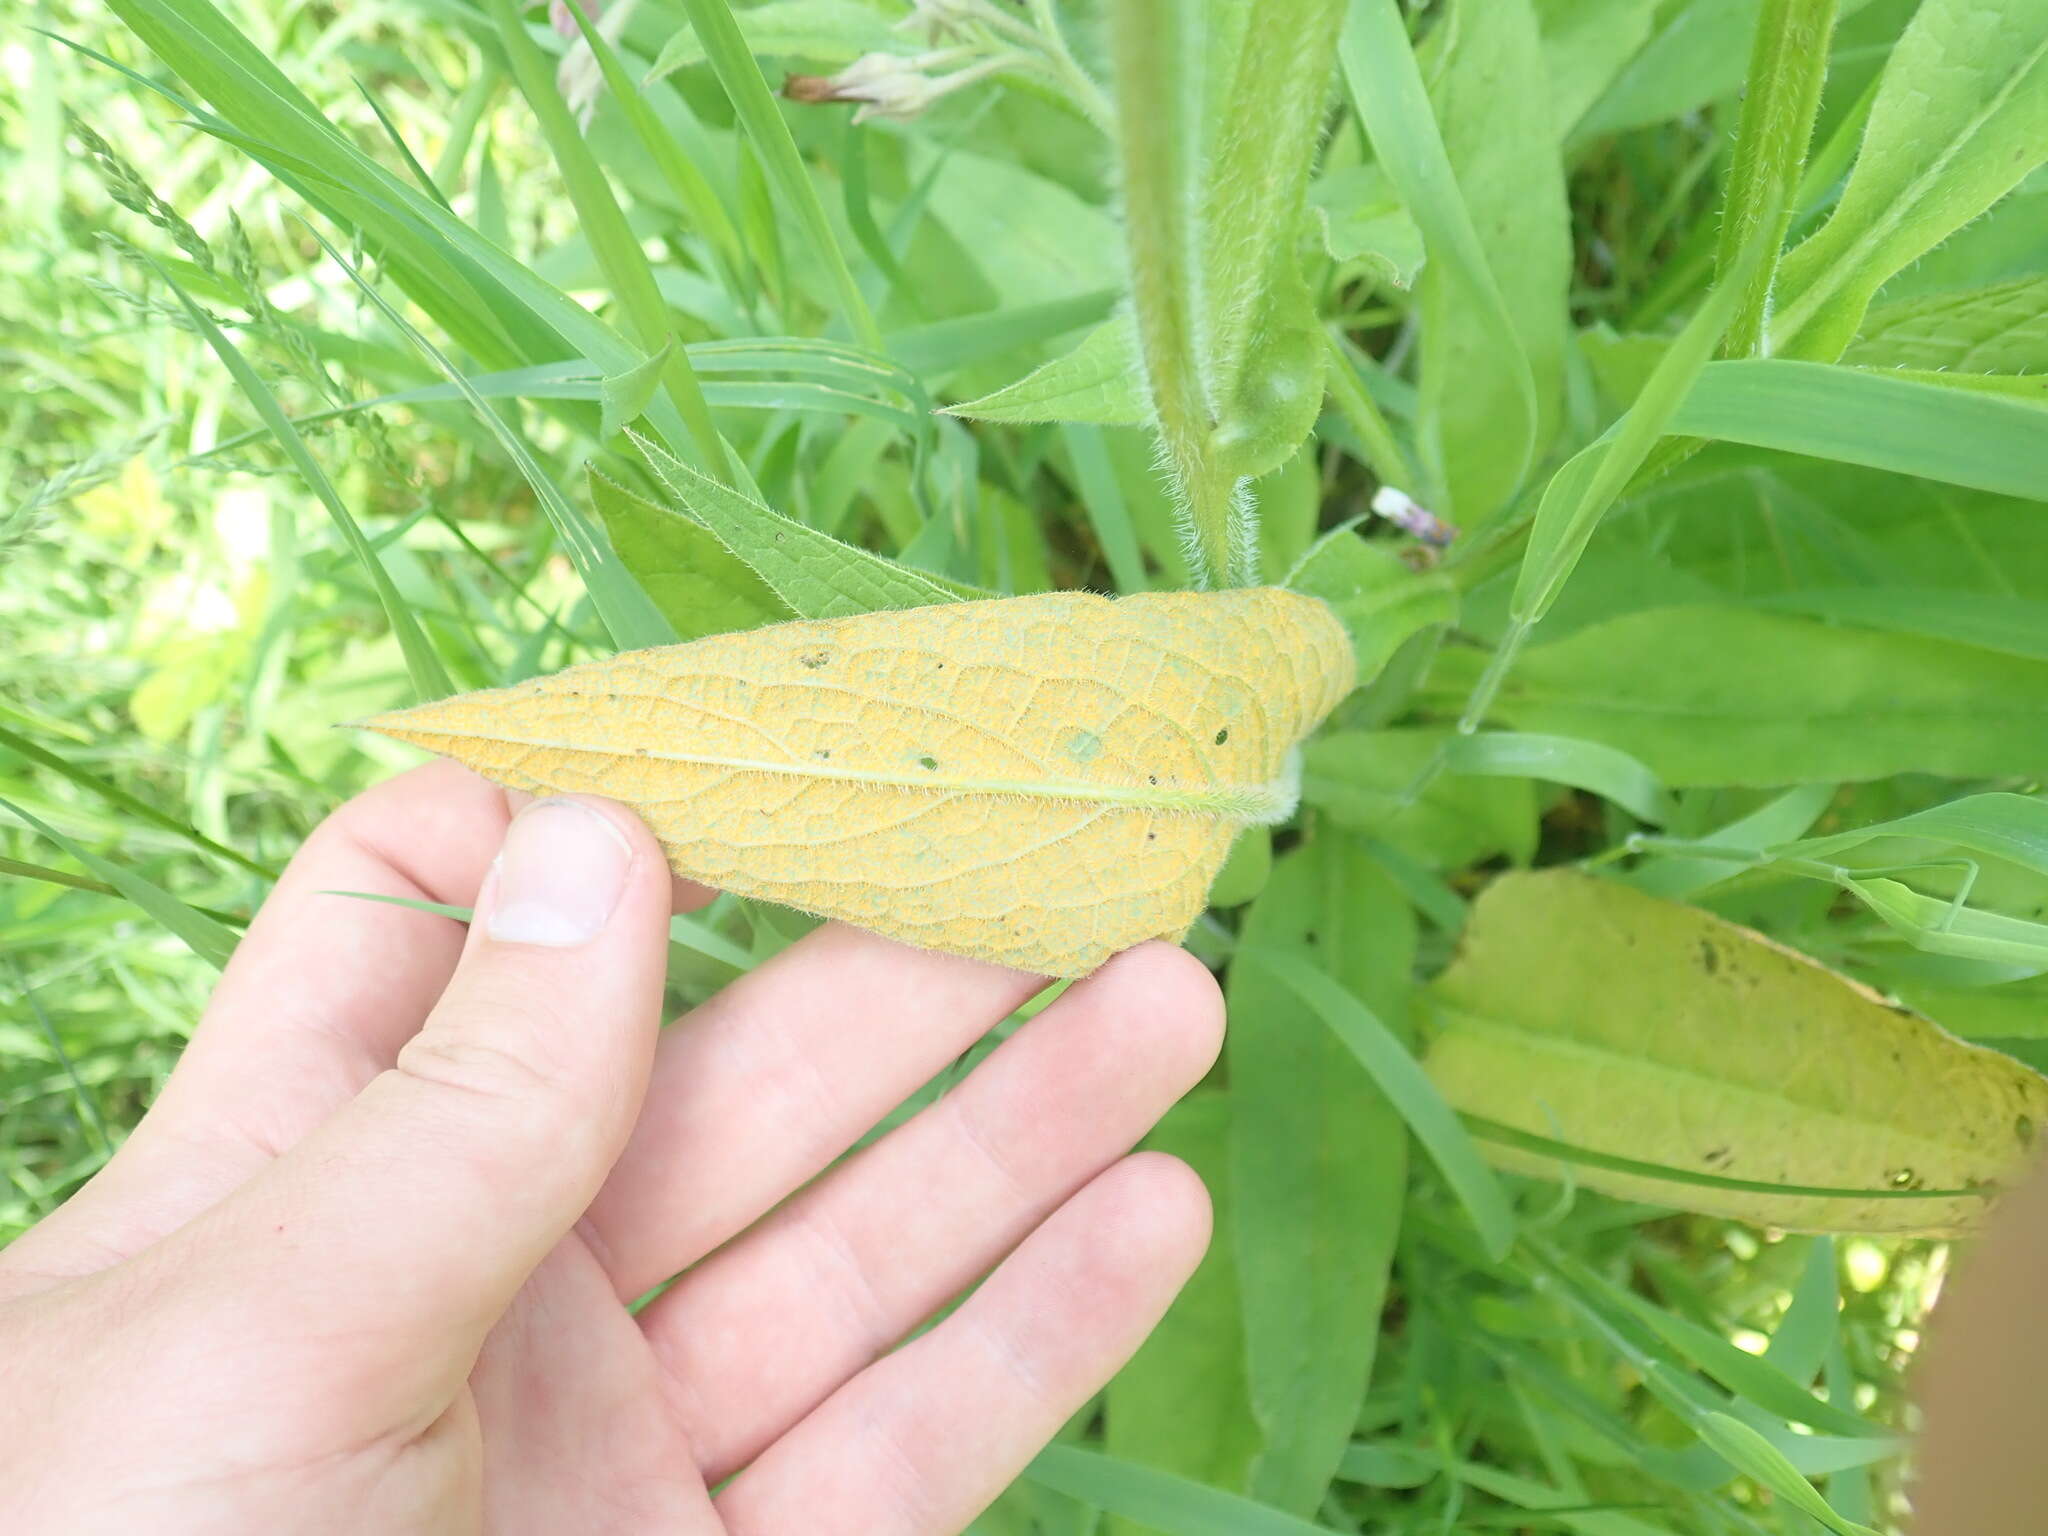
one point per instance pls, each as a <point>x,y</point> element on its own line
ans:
<point>1158,72</point>
<point>1787,69</point>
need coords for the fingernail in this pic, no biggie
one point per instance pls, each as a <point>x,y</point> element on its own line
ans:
<point>559,875</point>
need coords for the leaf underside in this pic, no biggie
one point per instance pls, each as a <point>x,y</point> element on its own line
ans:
<point>1037,781</point>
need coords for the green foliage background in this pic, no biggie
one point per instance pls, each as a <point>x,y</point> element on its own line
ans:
<point>313,318</point>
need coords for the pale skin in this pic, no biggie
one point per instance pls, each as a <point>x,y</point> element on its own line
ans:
<point>364,1265</point>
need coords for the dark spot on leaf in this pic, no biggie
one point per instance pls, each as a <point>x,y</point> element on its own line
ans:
<point>1710,957</point>
<point>1151,778</point>
<point>2023,1129</point>
<point>1222,736</point>
<point>816,659</point>
<point>824,752</point>
<point>1151,837</point>
<point>1310,936</point>
<point>1717,1156</point>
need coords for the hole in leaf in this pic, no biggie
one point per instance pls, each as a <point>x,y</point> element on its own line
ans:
<point>927,761</point>
<point>1222,736</point>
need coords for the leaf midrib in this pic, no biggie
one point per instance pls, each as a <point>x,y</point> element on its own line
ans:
<point>1252,804</point>
<point>1483,1023</point>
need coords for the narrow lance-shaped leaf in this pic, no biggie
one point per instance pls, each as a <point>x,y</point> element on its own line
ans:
<point>1040,781</point>
<point>1585,1011</point>
<point>1318,1159</point>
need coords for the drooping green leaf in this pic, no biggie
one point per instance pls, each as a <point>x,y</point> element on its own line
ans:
<point>1181,1404</point>
<point>1960,118</point>
<point>1586,1011</point>
<point>700,585</point>
<point>1318,1158</point>
<point>1730,696</point>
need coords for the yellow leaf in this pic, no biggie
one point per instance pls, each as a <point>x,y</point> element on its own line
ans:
<point>1039,781</point>
<point>1586,1012</point>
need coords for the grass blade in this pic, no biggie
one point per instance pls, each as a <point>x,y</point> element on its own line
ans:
<point>1402,1080</point>
<point>206,938</point>
<point>429,677</point>
<point>1160,1500</point>
<point>734,64</point>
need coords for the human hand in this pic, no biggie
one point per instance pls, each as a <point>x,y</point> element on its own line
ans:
<point>365,1265</point>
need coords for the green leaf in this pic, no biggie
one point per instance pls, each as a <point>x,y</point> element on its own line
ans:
<point>814,574</point>
<point>829,31</point>
<point>1366,780</point>
<point>1586,765</point>
<point>1586,1011</point>
<point>1387,92</point>
<point>625,395</point>
<point>700,586</point>
<point>1586,44</point>
<point>202,935</point>
<point>1580,493</point>
<point>1961,116</point>
<point>1730,696</point>
<point>1409,1089</point>
<point>1318,1158</point>
<point>2002,328</point>
<point>1749,1451</point>
<point>1483,421</point>
<point>2017,626</point>
<point>1998,826</point>
<point>1696,55</point>
<point>1098,382</point>
<point>1158,1499</point>
<point>1363,221</point>
<point>1381,602</point>
<point>1908,426</point>
<point>1181,1404</point>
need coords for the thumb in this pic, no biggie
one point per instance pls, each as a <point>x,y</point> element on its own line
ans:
<point>408,1221</point>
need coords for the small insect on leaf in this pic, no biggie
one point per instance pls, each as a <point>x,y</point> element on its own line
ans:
<point>1038,781</point>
